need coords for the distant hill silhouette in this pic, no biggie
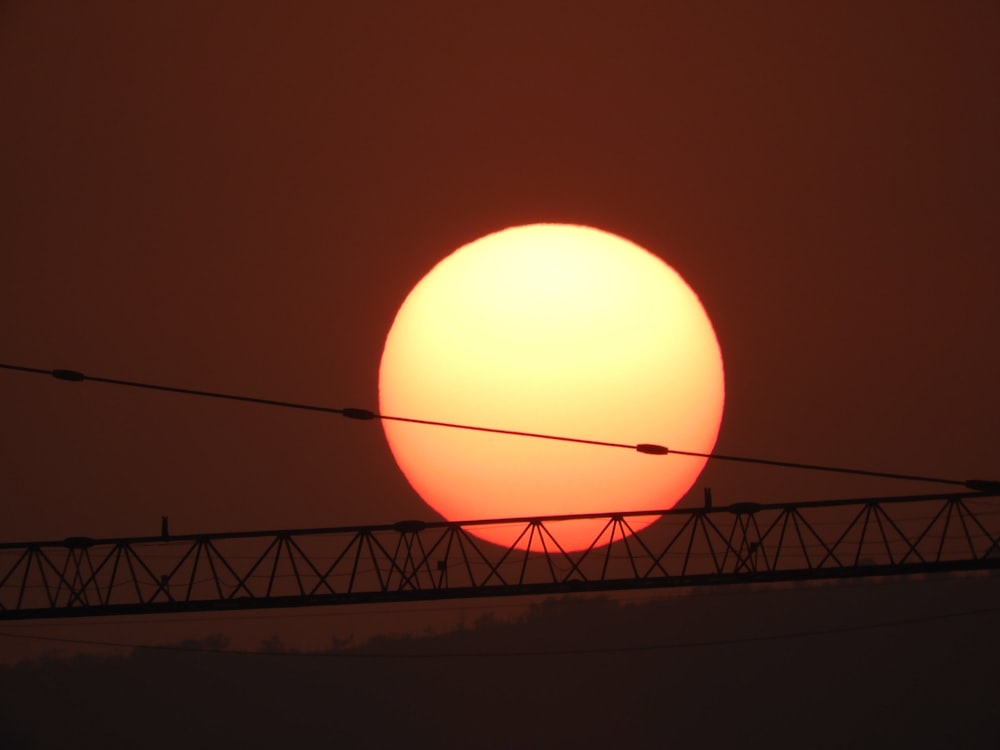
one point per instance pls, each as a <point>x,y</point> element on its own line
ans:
<point>850,665</point>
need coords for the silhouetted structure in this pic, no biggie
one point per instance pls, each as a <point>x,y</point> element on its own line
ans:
<point>414,560</point>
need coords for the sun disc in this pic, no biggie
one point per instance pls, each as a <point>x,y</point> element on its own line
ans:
<point>554,329</point>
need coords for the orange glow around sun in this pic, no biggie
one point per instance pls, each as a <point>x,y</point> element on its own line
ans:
<point>556,329</point>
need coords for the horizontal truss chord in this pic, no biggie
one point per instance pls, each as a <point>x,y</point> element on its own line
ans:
<point>414,560</point>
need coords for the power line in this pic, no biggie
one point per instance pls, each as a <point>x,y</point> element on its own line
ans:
<point>583,651</point>
<point>978,485</point>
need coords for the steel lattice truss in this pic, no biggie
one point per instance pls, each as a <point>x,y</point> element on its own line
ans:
<point>413,560</point>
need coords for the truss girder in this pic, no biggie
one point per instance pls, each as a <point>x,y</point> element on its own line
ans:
<point>412,560</point>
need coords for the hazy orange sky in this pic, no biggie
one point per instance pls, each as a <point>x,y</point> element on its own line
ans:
<point>238,196</point>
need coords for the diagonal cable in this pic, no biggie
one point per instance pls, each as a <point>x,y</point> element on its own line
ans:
<point>655,449</point>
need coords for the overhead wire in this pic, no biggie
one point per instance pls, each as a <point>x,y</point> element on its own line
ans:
<point>655,449</point>
<point>581,651</point>
<point>646,448</point>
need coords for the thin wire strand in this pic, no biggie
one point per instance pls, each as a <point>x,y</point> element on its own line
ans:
<point>367,414</point>
<point>540,652</point>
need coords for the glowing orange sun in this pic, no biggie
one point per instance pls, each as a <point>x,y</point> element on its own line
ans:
<point>557,329</point>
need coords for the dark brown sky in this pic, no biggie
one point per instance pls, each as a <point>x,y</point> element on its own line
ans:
<point>238,196</point>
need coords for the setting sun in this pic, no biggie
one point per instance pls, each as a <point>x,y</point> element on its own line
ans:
<point>557,329</point>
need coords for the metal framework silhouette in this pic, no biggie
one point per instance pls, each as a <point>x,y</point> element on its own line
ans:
<point>413,560</point>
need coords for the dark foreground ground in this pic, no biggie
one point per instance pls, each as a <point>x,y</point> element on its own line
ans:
<point>890,664</point>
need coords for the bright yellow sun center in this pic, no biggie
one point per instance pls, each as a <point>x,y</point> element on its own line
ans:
<point>555,329</point>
